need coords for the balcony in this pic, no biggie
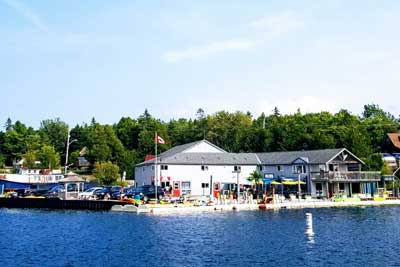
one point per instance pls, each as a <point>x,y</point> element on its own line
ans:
<point>357,176</point>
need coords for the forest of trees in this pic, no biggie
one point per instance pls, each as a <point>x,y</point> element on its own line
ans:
<point>128,141</point>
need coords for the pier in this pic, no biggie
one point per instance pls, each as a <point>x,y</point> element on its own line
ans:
<point>55,203</point>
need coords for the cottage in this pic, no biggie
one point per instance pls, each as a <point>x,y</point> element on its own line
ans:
<point>325,172</point>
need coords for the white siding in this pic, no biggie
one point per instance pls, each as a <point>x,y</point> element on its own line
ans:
<point>195,175</point>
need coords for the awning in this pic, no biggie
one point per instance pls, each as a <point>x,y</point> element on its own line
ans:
<point>292,182</point>
<point>268,180</point>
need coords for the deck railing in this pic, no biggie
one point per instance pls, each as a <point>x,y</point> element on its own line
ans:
<point>346,176</point>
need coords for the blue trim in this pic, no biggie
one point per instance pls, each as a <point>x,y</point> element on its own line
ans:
<point>8,185</point>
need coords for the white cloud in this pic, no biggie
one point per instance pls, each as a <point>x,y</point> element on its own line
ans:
<point>209,49</point>
<point>279,24</point>
<point>27,13</point>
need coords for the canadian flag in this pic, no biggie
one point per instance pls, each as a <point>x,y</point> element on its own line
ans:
<point>159,140</point>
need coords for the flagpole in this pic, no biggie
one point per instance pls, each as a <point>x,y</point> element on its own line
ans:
<point>155,169</point>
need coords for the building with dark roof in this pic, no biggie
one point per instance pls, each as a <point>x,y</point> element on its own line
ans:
<point>391,143</point>
<point>201,168</point>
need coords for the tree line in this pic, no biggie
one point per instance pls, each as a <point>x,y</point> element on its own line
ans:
<point>128,141</point>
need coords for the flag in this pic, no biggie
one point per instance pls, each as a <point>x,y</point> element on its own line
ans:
<point>159,140</point>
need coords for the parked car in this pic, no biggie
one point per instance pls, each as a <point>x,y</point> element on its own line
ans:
<point>146,192</point>
<point>107,191</point>
<point>119,194</point>
<point>90,193</point>
<point>54,191</point>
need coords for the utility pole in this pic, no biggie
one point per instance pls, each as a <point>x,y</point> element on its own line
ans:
<point>237,170</point>
<point>67,152</point>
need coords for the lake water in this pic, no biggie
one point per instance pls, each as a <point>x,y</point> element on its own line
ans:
<point>343,237</point>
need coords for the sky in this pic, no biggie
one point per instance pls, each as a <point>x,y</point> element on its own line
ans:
<point>75,59</point>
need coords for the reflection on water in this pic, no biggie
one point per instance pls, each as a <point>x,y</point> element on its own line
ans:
<point>345,237</point>
<point>309,228</point>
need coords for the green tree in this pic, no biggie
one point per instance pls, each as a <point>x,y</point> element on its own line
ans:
<point>30,158</point>
<point>386,170</point>
<point>373,163</point>
<point>54,132</point>
<point>15,141</point>
<point>48,157</point>
<point>106,173</point>
<point>127,131</point>
<point>255,177</point>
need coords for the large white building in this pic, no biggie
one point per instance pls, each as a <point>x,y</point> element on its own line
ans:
<point>201,168</point>
<point>198,168</point>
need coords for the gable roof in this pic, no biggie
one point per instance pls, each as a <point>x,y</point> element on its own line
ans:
<point>321,156</point>
<point>395,139</point>
<point>180,150</point>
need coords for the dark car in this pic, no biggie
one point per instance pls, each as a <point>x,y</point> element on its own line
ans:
<point>146,192</point>
<point>53,192</point>
<point>118,194</point>
<point>107,192</point>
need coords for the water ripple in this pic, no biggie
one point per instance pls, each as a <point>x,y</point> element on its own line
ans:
<point>343,237</point>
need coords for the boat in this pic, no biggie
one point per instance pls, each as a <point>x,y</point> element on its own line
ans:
<point>30,179</point>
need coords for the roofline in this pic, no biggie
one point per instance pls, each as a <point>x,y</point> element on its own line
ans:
<point>209,143</point>
<point>200,164</point>
<point>194,144</point>
<point>300,158</point>
<point>345,149</point>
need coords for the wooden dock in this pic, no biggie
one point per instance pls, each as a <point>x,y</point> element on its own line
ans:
<point>55,203</point>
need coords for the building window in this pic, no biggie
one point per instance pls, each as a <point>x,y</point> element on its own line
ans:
<point>334,167</point>
<point>299,169</point>
<point>164,167</point>
<point>353,167</point>
<point>186,190</point>
<point>204,168</point>
<point>176,185</point>
<point>279,168</point>
<point>341,187</point>
<point>205,185</point>
<point>322,167</point>
<point>143,169</point>
<point>237,168</point>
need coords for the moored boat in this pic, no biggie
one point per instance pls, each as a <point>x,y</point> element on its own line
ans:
<point>28,179</point>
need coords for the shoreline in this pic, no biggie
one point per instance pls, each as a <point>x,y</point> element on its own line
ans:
<point>164,209</point>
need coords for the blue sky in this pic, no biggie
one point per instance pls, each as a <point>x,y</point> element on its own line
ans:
<point>107,59</point>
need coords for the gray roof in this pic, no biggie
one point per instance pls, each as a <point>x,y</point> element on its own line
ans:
<point>212,159</point>
<point>287,157</point>
<point>207,159</point>
<point>176,156</point>
<point>177,150</point>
